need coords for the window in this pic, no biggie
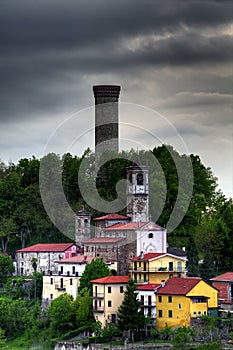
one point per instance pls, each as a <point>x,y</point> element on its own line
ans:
<point>199,313</point>
<point>160,313</point>
<point>179,268</point>
<point>109,303</point>
<point>113,318</point>
<point>61,270</point>
<point>51,280</point>
<point>61,282</point>
<point>51,296</point>
<point>139,179</point>
<point>170,313</point>
<point>140,264</point>
<point>160,298</point>
<point>169,298</point>
<point>179,306</point>
<point>95,290</point>
<point>73,270</point>
<point>150,235</point>
<point>22,255</point>
<point>149,299</point>
<point>21,270</point>
<point>170,266</point>
<point>99,303</point>
<point>194,313</point>
<point>145,277</point>
<point>71,281</point>
<point>135,266</point>
<point>121,289</point>
<point>142,299</point>
<point>109,289</point>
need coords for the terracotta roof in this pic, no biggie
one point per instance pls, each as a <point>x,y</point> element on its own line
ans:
<point>148,286</point>
<point>125,226</point>
<point>79,259</point>
<point>148,256</point>
<point>111,280</point>
<point>112,217</point>
<point>179,286</point>
<point>46,247</point>
<point>226,277</point>
<point>103,240</point>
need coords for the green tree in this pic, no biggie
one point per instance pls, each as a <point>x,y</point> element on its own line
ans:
<point>192,264</point>
<point>61,314</point>
<point>183,336</point>
<point>83,305</point>
<point>6,266</point>
<point>2,339</point>
<point>130,316</point>
<point>96,269</point>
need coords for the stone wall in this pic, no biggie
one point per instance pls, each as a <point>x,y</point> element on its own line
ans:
<point>69,345</point>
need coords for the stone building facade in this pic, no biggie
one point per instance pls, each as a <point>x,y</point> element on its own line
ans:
<point>43,256</point>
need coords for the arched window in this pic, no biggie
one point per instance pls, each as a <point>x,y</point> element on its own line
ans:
<point>140,179</point>
<point>150,235</point>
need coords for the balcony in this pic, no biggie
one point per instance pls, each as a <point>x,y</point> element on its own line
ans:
<point>98,296</point>
<point>98,309</point>
<point>157,269</point>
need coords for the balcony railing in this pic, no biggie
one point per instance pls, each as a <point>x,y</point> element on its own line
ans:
<point>98,309</point>
<point>98,296</point>
<point>156,269</point>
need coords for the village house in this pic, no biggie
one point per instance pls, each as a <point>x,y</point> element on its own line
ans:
<point>146,296</point>
<point>179,300</point>
<point>42,257</point>
<point>108,294</point>
<point>224,284</point>
<point>156,267</point>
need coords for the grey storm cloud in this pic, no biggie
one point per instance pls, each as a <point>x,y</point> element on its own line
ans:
<point>173,55</point>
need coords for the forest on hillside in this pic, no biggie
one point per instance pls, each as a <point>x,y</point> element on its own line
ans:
<point>205,216</point>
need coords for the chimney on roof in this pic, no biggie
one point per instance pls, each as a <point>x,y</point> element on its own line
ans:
<point>163,283</point>
<point>141,255</point>
<point>106,118</point>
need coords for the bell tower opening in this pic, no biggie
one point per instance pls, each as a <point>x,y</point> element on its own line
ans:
<point>138,193</point>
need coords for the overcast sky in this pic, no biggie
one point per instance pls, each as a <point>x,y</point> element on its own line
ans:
<point>172,59</point>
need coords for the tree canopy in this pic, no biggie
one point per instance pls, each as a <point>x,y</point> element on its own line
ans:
<point>130,316</point>
<point>96,269</point>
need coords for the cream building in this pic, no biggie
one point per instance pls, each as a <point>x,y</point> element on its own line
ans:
<point>108,294</point>
<point>66,280</point>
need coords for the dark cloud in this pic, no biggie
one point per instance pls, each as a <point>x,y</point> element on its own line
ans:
<point>174,55</point>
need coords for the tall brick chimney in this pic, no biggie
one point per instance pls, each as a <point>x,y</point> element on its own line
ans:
<point>106,117</point>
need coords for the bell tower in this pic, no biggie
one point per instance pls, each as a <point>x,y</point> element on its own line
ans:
<point>82,226</point>
<point>138,193</point>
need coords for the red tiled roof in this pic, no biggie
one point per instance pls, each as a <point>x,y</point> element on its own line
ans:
<point>112,217</point>
<point>148,256</point>
<point>79,259</point>
<point>226,277</point>
<point>111,280</point>
<point>126,226</point>
<point>148,286</point>
<point>103,240</point>
<point>46,247</point>
<point>179,286</point>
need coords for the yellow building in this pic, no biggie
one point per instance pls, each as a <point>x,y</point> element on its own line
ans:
<point>108,294</point>
<point>178,300</point>
<point>156,267</point>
